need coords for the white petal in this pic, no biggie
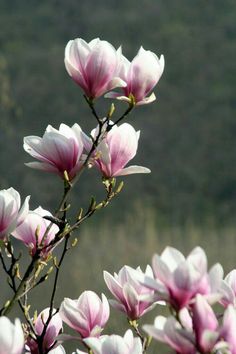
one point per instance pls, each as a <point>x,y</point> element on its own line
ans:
<point>131,170</point>
<point>147,100</point>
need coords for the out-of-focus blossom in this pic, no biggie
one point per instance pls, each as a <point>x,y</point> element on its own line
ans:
<point>58,350</point>
<point>93,66</point>
<point>114,344</point>
<point>179,279</point>
<point>58,150</point>
<point>169,331</point>
<point>52,331</point>
<point>229,328</point>
<point>115,150</point>
<point>87,315</point>
<point>31,232</point>
<point>202,334</point>
<point>140,75</point>
<point>228,289</point>
<point>128,291</point>
<point>11,336</point>
<point>205,325</point>
<point>11,212</point>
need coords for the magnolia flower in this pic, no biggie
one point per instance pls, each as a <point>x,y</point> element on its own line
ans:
<point>114,344</point>
<point>128,291</point>
<point>169,331</point>
<point>179,279</point>
<point>115,150</point>
<point>93,66</point>
<point>228,289</point>
<point>87,315</point>
<point>58,350</point>
<point>52,331</point>
<point>31,232</point>
<point>58,150</point>
<point>11,214</point>
<point>11,336</point>
<point>141,75</point>
<point>205,325</point>
<point>196,331</point>
<point>229,328</point>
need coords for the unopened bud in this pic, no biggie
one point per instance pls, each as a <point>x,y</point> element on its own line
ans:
<point>132,101</point>
<point>17,271</point>
<point>120,187</point>
<point>111,111</point>
<point>92,204</point>
<point>55,261</point>
<point>50,270</point>
<point>100,206</point>
<point>37,234</point>
<point>79,216</point>
<point>66,177</point>
<point>7,303</point>
<point>74,243</point>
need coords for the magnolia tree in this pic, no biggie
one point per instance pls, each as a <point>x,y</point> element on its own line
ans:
<point>184,285</point>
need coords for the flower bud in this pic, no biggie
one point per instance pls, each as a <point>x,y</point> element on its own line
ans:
<point>129,292</point>
<point>52,331</point>
<point>117,148</point>
<point>93,66</point>
<point>58,150</point>
<point>32,231</point>
<point>11,214</point>
<point>11,336</point>
<point>115,344</point>
<point>87,315</point>
<point>141,76</point>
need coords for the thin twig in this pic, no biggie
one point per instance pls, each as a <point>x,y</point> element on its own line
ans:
<point>124,115</point>
<point>24,280</point>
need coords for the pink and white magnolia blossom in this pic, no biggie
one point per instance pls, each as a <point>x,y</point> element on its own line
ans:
<point>178,279</point>
<point>93,66</point>
<point>58,350</point>
<point>141,76</point>
<point>129,292</point>
<point>31,232</point>
<point>228,329</point>
<point>115,150</point>
<point>114,344</point>
<point>87,315</point>
<point>11,212</point>
<point>170,331</point>
<point>205,325</point>
<point>197,330</point>
<point>53,329</point>
<point>228,289</point>
<point>58,150</point>
<point>11,336</point>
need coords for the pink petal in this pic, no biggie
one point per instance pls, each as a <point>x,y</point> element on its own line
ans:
<point>123,146</point>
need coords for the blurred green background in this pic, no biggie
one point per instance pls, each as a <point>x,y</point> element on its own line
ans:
<point>187,135</point>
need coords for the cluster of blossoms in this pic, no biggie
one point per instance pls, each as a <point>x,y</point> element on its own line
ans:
<point>66,149</point>
<point>97,67</point>
<point>184,285</point>
<point>189,289</point>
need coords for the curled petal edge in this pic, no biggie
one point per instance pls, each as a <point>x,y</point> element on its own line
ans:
<point>131,170</point>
